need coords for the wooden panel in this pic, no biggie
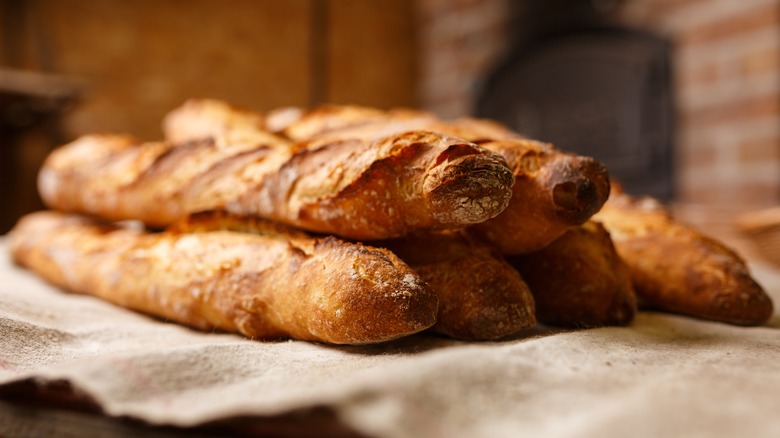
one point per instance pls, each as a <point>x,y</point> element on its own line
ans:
<point>371,50</point>
<point>142,58</point>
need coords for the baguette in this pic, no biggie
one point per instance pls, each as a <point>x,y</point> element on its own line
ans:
<point>353,188</point>
<point>329,120</point>
<point>199,119</point>
<point>266,286</point>
<point>390,187</point>
<point>677,269</point>
<point>579,280</point>
<point>117,178</point>
<point>553,190</point>
<point>481,297</point>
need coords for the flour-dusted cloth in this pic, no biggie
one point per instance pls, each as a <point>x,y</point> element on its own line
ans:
<point>662,376</point>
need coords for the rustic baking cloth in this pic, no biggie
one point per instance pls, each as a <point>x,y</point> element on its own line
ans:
<point>662,376</point>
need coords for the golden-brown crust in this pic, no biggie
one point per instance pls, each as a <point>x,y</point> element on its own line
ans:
<point>64,185</point>
<point>116,177</point>
<point>677,269</point>
<point>579,280</point>
<point>263,286</point>
<point>481,296</point>
<point>354,188</point>
<point>327,119</point>
<point>398,185</point>
<point>199,119</point>
<point>553,191</point>
<point>278,119</point>
<point>220,220</point>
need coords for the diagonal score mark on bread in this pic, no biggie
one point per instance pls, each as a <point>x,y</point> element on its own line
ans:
<point>265,285</point>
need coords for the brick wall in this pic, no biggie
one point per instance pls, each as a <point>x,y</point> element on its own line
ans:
<point>727,75</point>
<point>459,42</point>
<point>726,68</point>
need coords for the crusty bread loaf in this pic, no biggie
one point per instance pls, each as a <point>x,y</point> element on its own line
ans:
<point>553,190</point>
<point>399,184</point>
<point>481,297</point>
<point>270,285</point>
<point>349,187</point>
<point>329,120</point>
<point>676,269</point>
<point>579,280</point>
<point>230,125</point>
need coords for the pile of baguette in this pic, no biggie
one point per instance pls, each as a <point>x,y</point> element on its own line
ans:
<point>353,225</point>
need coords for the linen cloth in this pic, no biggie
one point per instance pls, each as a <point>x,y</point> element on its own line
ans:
<point>664,375</point>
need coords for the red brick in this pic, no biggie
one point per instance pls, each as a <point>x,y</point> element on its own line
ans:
<point>757,193</point>
<point>704,75</point>
<point>748,108</point>
<point>666,8</point>
<point>697,195</point>
<point>761,62</point>
<point>754,193</point>
<point>761,150</point>
<point>734,25</point>
<point>652,14</point>
<point>696,157</point>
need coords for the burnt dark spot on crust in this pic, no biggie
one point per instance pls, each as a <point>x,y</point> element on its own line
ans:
<point>580,188</point>
<point>565,195</point>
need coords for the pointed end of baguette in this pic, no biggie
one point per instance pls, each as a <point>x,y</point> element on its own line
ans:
<point>377,298</point>
<point>742,301</point>
<point>580,187</point>
<point>400,310</point>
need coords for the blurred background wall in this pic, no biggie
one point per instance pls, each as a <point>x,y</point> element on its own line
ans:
<point>72,67</point>
<point>724,65</point>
